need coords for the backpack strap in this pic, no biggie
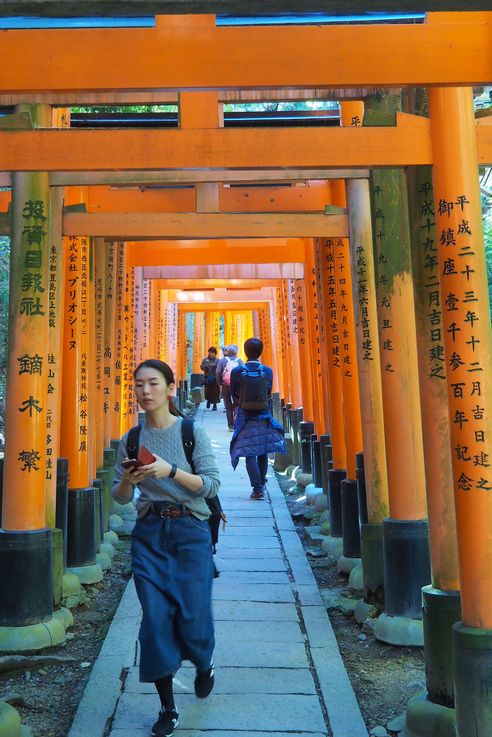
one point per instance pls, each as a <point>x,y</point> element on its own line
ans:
<point>132,441</point>
<point>188,438</point>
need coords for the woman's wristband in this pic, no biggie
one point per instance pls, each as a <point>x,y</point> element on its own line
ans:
<point>172,472</point>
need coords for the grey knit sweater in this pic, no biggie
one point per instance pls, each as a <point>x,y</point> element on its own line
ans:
<point>168,445</point>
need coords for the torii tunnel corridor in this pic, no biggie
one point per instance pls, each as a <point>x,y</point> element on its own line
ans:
<point>346,232</point>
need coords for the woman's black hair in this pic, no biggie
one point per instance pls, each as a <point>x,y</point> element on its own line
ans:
<point>168,375</point>
<point>212,350</point>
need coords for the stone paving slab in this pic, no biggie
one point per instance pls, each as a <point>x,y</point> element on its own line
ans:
<point>263,712</point>
<point>260,631</point>
<point>248,552</point>
<point>253,611</point>
<point>249,577</point>
<point>251,532</point>
<point>214,733</point>
<point>247,542</point>
<point>269,592</point>
<point>236,680</point>
<point>249,564</point>
<point>261,654</point>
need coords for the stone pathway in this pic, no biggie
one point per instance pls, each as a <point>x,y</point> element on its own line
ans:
<point>278,668</point>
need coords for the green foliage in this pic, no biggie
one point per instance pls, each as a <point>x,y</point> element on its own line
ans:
<point>4,308</point>
<point>125,109</point>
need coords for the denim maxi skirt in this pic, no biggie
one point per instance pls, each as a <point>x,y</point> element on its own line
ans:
<point>173,573</point>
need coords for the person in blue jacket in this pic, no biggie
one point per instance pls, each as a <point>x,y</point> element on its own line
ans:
<point>256,432</point>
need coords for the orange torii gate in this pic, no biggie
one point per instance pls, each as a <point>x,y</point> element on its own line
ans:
<point>444,54</point>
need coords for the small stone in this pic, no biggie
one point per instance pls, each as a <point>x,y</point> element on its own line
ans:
<point>415,684</point>
<point>329,562</point>
<point>70,636</point>
<point>85,664</point>
<point>362,637</point>
<point>397,724</point>
<point>43,672</point>
<point>378,732</point>
<point>27,676</point>
<point>315,553</point>
<point>369,626</point>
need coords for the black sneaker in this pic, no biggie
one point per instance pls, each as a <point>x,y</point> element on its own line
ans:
<point>166,723</point>
<point>204,683</point>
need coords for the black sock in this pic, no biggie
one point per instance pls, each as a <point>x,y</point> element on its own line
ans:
<point>164,688</point>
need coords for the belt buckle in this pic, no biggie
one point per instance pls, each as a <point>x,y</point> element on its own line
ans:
<point>164,513</point>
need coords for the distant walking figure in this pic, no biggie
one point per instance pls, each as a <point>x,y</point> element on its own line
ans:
<point>224,372</point>
<point>256,432</point>
<point>209,367</point>
<point>171,542</point>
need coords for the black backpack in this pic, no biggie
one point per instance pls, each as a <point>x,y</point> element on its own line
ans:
<point>188,439</point>
<point>253,389</point>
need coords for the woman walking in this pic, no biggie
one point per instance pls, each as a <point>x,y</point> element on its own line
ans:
<point>209,367</point>
<point>171,544</point>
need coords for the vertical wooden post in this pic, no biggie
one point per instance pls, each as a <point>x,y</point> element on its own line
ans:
<point>146,320</point>
<point>312,331</point>
<point>77,422</point>
<point>292,326</point>
<point>304,355</point>
<point>468,346</point>
<point>322,344</point>
<point>405,533</point>
<point>118,340</point>
<point>110,268</point>
<point>25,562</point>
<point>369,369</point>
<point>138,317</point>
<point>99,283</point>
<point>199,336</point>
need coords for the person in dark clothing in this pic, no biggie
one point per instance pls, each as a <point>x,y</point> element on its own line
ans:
<point>256,432</point>
<point>224,371</point>
<point>209,367</point>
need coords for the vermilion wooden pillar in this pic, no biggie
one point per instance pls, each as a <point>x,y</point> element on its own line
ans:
<point>468,347</point>
<point>304,348</point>
<point>77,433</point>
<point>312,328</point>
<point>369,369</point>
<point>110,269</point>
<point>119,295</point>
<point>26,542</point>
<point>405,532</point>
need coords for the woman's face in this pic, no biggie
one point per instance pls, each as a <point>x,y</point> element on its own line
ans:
<point>151,389</point>
<point>211,355</point>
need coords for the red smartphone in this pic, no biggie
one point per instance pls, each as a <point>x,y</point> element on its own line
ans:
<point>131,464</point>
<point>145,458</point>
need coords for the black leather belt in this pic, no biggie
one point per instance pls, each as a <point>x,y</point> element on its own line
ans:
<point>169,511</point>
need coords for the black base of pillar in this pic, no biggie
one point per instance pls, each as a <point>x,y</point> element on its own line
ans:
<point>441,610</point>
<point>61,516</point>
<point>57,565</point>
<point>306,429</point>
<point>472,650</point>
<point>406,566</point>
<point>104,475</point>
<point>373,563</point>
<point>25,577</point>
<point>361,487</point>
<point>81,549</point>
<point>335,478</point>
<point>109,455</point>
<point>350,519</point>
<point>98,498</point>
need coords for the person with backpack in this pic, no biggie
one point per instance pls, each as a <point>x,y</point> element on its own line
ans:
<point>171,547</point>
<point>256,432</point>
<point>209,367</point>
<point>224,370</point>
